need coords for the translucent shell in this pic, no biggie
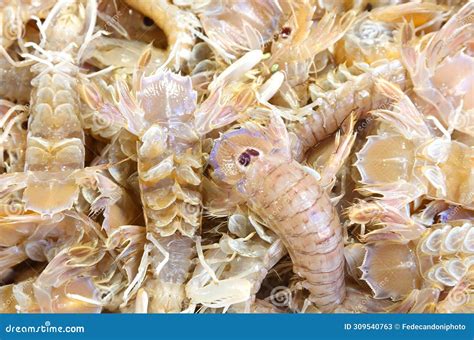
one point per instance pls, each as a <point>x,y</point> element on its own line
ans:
<point>390,269</point>
<point>367,41</point>
<point>449,240</point>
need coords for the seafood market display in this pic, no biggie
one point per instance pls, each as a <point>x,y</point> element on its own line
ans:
<point>236,156</point>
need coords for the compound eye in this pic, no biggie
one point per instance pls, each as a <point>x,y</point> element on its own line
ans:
<point>244,159</point>
<point>253,152</point>
<point>285,32</point>
<point>148,22</point>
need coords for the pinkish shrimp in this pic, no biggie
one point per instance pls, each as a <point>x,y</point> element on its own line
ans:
<point>290,200</point>
<point>334,104</point>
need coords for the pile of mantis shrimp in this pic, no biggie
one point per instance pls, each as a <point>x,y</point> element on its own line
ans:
<point>250,156</point>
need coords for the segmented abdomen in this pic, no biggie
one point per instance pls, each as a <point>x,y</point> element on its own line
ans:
<point>302,215</point>
<point>169,184</point>
<point>54,147</point>
<point>450,272</point>
<point>55,136</point>
<point>357,93</point>
<point>454,247</point>
<point>169,176</point>
<point>449,240</point>
<point>167,290</point>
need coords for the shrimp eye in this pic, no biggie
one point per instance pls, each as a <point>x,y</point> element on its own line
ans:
<point>253,152</point>
<point>148,22</point>
<point>244,159</point>
<point>285,32</point>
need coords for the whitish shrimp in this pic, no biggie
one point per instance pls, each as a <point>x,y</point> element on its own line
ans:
<point>99,117</point>
<point>177,24</point>
<point>338,98</point>
<point>170,164</point>
<point>393,269</point>
<point>13,136</point>
<point>121,21</point>
<point>55,153</point>
<point>291,202</point>
<point>231,273</point>
<point>438,70</point>
<point>122,54</point>
<point>359,5</point>
<point>412,161</point>
<point>71,244</point>
<point>425,16</point>
<point>20,298</point>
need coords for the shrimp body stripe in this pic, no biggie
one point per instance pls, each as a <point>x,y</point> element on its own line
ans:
<point>311,231</point>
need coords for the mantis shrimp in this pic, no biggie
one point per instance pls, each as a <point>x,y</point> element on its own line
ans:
<point>170,164</point>
<point>424,261</point>
<point>290,200</point>
<point>233,35</point>
<point>344,93</point>
<point>421,163</point>
<point>55,153</point>
<point>295,51</point>
<point>69,242</point>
